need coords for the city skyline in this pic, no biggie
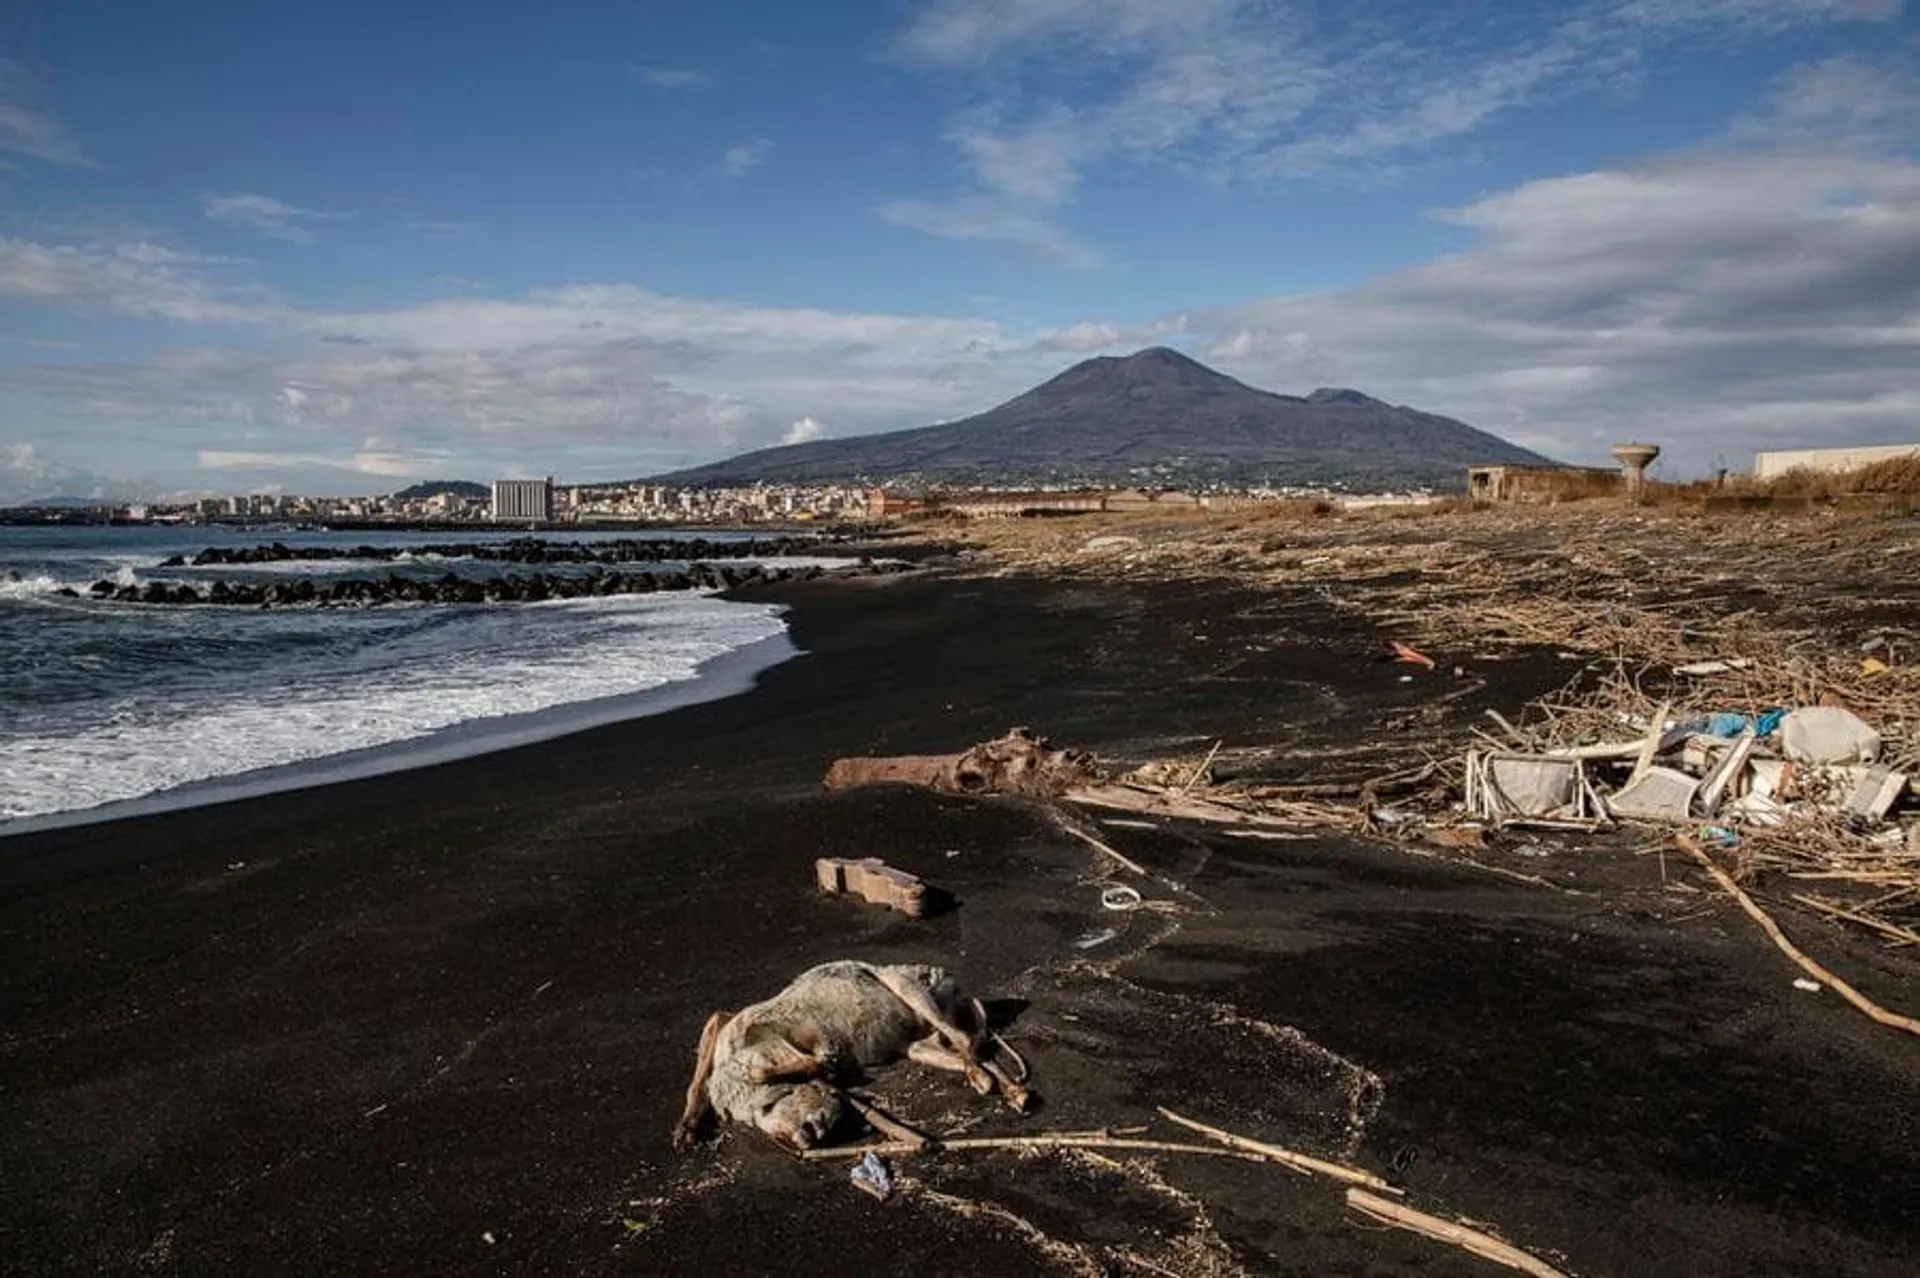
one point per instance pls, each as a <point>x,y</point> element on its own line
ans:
<point>350,248</point>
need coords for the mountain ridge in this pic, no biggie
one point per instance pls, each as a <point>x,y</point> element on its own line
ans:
<point>1157,416</point>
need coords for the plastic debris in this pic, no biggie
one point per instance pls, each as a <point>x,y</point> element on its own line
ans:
<point>1713,667</point>
<point>1410,656</point>
<point>1120,897</point>
<point>872,1176</point>
<point>1094,939</point>
<point>1828,734</point>
<point>1799,983</point>
<point>1660,794</point>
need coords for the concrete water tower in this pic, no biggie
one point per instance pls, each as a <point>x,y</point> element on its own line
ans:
<point>1634,460</point>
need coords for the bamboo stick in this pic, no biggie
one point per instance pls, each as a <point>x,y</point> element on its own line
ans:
<point>1292,1158</point>
<point>1202,769</point>
<point>1447,1231</point>
<point>1043,1140</point>
<point>1893,932</point>
<point>1098,846</point>
<point>1872,1009</point>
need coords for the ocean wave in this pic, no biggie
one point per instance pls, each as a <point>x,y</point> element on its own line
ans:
<point>453,670</point>
<point>35,587</point>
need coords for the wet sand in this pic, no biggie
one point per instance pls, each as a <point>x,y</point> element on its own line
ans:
<point>441,1021</point>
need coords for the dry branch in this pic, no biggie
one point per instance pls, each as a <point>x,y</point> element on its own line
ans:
<point>1292,1158</point>
<point>1044,1140</point>
<point>1692,847</point>
<point>1447,1231</point>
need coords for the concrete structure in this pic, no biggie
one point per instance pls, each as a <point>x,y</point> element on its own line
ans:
<point>1827,460</point>
<point>528,500</point>
<point>1634,460</point>
<point>1537,483</point>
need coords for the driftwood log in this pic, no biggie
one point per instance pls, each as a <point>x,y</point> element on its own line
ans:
<point>1018,763</point>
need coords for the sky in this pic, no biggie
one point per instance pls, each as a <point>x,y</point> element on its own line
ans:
<point>335,249</point>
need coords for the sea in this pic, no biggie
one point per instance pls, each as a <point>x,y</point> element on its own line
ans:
<point>111,708</point>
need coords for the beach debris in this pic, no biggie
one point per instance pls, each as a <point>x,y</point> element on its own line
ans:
<point>1660,795</point>
<point>1400,652</point>
<point>1120,897</point>
<point>1462,1236</point>
<point>1879,788</point>
<point>873,881</point>
<point>1507,789</point>
<point>1017,763</point>
<point>1094,938</point>
<point>1826,735</point>
<point>1811,987</point>
<point>1713,667</point>
<point>1692,847</point>
<point>872,1176</point>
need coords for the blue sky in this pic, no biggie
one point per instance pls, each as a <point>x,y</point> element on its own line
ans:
<point>334,249</point>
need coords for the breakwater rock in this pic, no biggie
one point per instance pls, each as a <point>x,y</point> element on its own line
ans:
<point>449,589</point>
<point>521,550</point>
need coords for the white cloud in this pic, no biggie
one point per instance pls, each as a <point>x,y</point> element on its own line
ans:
<point>139,279</point>
<point>804,431</point>
<point>383,464</point>
<point>744,157</point>
<point>672,78</point>
<point>30,130</point>
<point>443,228</point>
<point>989,218</point>
<point>266,215</point>
<point>1719,304</point>
<point>1266,90</point>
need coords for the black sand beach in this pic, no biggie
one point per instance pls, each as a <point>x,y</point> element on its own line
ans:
<point>441,1021</point>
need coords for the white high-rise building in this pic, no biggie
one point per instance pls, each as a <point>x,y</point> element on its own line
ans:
<point>523,499</point>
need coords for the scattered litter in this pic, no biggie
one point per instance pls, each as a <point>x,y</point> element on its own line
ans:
<point>1661,794</point>
<point>1879,789</point>
<point>1409,656</point>
<point>1506,787</point>
<point>870,1175</point>
<point>873,881</point>
<point>1714,667</point>
<point>1395,816</point>
<point>1120,897</point>
<point>1802,983</point>
<point>1457,836</point>
<point>1828,734</point>
<point>1095,939</point>
<point>1873,666</point>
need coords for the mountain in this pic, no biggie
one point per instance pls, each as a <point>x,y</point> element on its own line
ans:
<point>1154,417</point>
<point>434,487</point>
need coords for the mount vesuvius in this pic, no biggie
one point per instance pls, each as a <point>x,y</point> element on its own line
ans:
<point>1154,417</point>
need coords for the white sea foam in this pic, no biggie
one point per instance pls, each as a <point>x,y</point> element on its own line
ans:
<point>483,666</point>
<point>35,587</point>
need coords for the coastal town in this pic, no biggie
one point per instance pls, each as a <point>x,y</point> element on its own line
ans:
<point>542,502</point>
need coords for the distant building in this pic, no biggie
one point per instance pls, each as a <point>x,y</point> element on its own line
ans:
<point>1538,483</point>
<point>518,500</point>
<point>1829,461</point>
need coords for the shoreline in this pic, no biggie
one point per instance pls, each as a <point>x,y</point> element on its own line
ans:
<point>440,1021</point>
<point>730,674</point>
